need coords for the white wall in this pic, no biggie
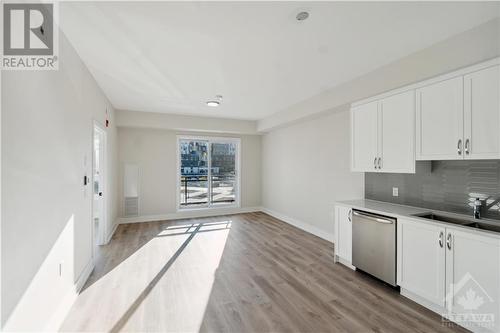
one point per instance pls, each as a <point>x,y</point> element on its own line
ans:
<point>305,169</point>
<point>467,48</point>
<point>47,123</point>
<point>155,151</point>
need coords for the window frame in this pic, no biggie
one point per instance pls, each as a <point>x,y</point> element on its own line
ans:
<point>209,205</point>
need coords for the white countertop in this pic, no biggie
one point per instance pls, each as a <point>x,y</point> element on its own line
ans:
<point>402,211</point>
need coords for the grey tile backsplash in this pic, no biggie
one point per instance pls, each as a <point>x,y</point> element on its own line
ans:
<point>446,185</point>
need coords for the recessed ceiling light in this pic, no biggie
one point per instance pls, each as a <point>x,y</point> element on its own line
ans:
<point>215,102</point>
<point>302,16</point>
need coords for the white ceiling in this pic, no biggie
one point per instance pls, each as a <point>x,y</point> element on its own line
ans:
<point>171,57</point>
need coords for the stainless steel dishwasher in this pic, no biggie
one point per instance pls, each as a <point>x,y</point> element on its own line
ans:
<point>374,245</point>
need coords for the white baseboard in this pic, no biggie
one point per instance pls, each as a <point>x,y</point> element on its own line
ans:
<point>64,307</point>
<point>344,262</point>
<point>299,224</point>
<point>110,235</point>
<point>193,213</point>
<point>84,275</point>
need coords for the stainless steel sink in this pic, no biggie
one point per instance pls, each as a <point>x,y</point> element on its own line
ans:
<point>484,226</point>
<point>461,221</point>
<point>444,218</point>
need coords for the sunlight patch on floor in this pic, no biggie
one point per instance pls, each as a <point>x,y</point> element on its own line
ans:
<point>176,295</point>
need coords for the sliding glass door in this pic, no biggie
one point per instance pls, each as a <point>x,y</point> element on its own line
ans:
<point>208,172</point>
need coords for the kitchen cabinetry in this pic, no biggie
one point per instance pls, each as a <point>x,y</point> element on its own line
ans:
<point>383,134</point>
<point>421,260</point>
<point>455,271</point>
<point>364,121</point>
<point>473,276</point>
<point>440,120</point>
<point>459,118</point>
<point>343,233</point>
<point>454,116</point>
<point>482,114</point>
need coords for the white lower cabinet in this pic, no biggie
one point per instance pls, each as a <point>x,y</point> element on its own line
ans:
<point>421,260</point>
<point>343,233</point>
<point>473,277</point>
<point>453,271</point>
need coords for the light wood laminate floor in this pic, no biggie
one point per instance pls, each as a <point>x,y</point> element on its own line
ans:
<point>236,273</point>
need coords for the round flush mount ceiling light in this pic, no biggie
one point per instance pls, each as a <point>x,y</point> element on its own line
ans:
<point>302,16</point>
<point>215,102</point>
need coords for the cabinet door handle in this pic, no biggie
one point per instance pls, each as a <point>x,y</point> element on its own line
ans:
<point>440,239</point>
<point>459,147</point>
<point>467,142</point>
<point>375,163</point>
<point>349,215</point>
<point>448,241</point>
<point>379,163</point>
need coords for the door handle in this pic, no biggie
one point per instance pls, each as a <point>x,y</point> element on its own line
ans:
<point>459,147</point>
<point>440,239</point>
<point>100,194</point>
<point>448,241</point>
<point>373,217</point>
<point>467,142</point>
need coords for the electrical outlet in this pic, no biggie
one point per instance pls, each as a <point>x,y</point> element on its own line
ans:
<point>395,191</point>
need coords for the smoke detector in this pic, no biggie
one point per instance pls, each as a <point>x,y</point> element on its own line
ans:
<point>302,16</point>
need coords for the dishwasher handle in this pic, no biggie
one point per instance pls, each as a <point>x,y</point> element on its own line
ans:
<point>373,217</point>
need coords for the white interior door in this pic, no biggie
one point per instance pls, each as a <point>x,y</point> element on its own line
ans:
<point>397,133</point>
<point>440,120</point>
<point>364,137</point>
<point>99,185</point>
<point>482,114</point>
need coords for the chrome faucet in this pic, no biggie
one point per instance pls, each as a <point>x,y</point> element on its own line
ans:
<point>477,208</point>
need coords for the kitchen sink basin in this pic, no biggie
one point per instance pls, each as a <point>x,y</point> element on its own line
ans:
<point>461,221</point>
<point>484,226</point>
<point>444,218</point>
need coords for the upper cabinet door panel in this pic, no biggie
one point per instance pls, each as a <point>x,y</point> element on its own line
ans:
<point>440,120</point>
<point>364,137</point>
<point>397,133</point>
<point>482,114</point>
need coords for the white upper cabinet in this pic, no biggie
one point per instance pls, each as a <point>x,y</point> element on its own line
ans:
<point>454,116</point>
<point>397,133</point>
<point>482,114</point>
<point>440,120</point>
<point>364,143</point>
<point>383,135</point>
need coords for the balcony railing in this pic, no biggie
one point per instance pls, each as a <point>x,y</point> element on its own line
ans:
<point>195,189</point>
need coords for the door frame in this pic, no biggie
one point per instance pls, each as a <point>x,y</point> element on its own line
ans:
<point>101,233</point>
